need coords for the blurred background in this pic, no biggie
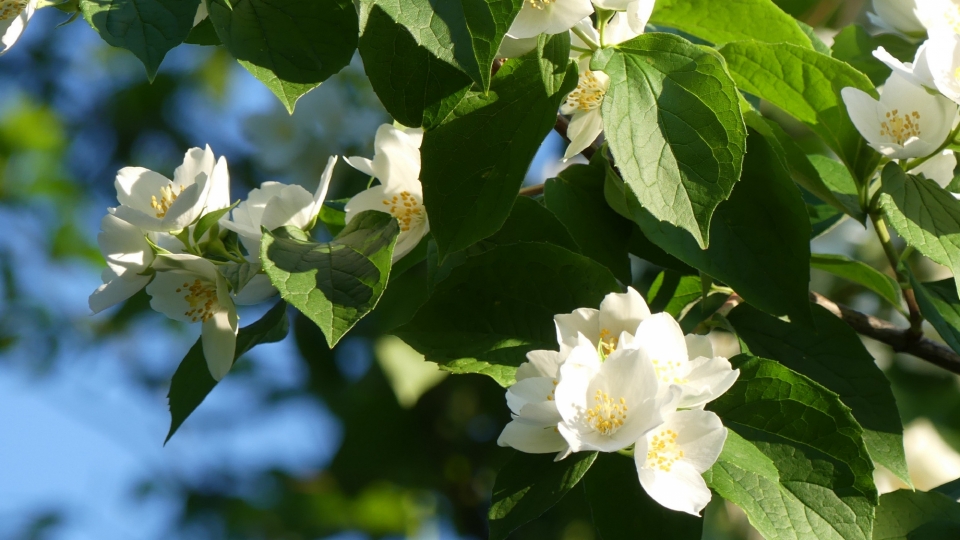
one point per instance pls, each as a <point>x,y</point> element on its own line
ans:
<point>298,442</point>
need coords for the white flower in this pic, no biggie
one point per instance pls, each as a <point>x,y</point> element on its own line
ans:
<point>515,48</point>
<point>907,122</point>
<point>942,57</point>
<point>637,14</point>
<point>607,405</point>
<point>683,362</point>
<point>671,459</point>
<point>396,163</point>
<point>917,72</point>
<point>548,17</point>
<point>190,289</point>
<point>938,168</point>
<point>897,15</point>
<point>583,104</point>
<point>154,203</point>
<point>618,314</point>
<point>14,16</point>
<point>128,256</point>
<point>934,15</point>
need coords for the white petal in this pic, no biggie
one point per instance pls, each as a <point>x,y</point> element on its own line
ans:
<point>396,161</point>
<point>408,240</point>
<point>188,206</point>
<point>584,128</point>
<point>620,27</point>
<point>660,338</point>
<point>515,48</point>
<point>864,112</point>
<point>195,162</point>
<point>899,14</point>
<point>11,29</point>
<point>361,164</point>
<point>540,364</point>
<point>115,291</point>
<point>576,373</point>
<point>939,168</point>
<point>556,17</point>
<point>369,199</point>
<point>219,339</point>
<point>626,374</point>
<point>583,321</point>
<point>219,195</point>
<point>531,438</point>
<point>698,346</point>
<point>135,187</point>
<point>942,59</point>
<point>139,219</point>
<point>700,434</point>
<point>124,246</point>
<point>257,290</point>
<point>936,118</point>
<point>293,206</point>
<point>532,390</point>
<point>186,263</point>
<point>248,215</point>
<point>164,297</point>
<point>623,312</point>
<point>682,489</point>
<point>638,14</point>
<point>708,379</point>
<point>321,194</point>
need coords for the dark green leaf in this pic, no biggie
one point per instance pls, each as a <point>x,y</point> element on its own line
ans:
<point>805,84</point>
<point>840,185</point>
<point>192,381</point>
<point>488,313</point>
<point>147,28</point>
<point>338,283</point>
<point>576,198</point>
<point>203,34</point>
<point>671,292</point>
<point>332,216</point>
<point>415,87</point>
<point>902,513</point>
<point>622,510</point>
<point>723,22</point>
<point>950,489</point>
<point>701,311</point>
<point>290,45</point>
<point>208,220</point>
<point>462,33</point>
<point>924,214</point>
<point>473,164</point>
<point>855,46</point>
<point>940,305</point>
<point>761,237</point>
<point>672,120</point>
<point>833,356</point>
<point>238,275</point>
<point>861,273</point>
<point>529,485</point>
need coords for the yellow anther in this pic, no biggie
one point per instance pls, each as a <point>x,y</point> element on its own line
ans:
<point>540,4</point>
<point>201,296</point>
<point>588,95</point>
<point>900,127</point>
<point>608,342</point>
<point>10,9</point>
<point>408,211</point>
<point>607,416</point>
<point>662,451</point>
<point>167,196</point>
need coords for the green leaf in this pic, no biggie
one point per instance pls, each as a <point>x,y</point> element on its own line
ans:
<point>940,305</point>
<point>529,485</point>
<point>702,310</point>
<point>488,313</point>
<point>576,198</point>
<point>147,28</point>
<point>855,46</point>
<point>747,477</point>
<point>333,216</point>
<point>833,356</point>
<point>203,34</point>
<point>902,513</point>
<point>530,221</point>
<point>414,86</point>
<point>923,214</point>
<point>732,20</point>
<point>885,286</point>
<point>192,381</point>
<point>950,489</point>
<point>818,44</point>
<point>336,284</point>
<point>474,164</point>
<point>761,237</point>
<point>672,120</point>
<point>238,275</point>
<point>290,45</point>
<point>671,292</point>
<point>622,510</point>
<point>209,220</point>
<point>806,85</point>
<point>463,33</point>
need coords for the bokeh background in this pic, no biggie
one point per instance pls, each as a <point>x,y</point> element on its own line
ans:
<point>298,442</point>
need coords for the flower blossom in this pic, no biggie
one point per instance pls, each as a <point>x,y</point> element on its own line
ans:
<point>14,17</point>
<point>396,163</point>
<point>897,15</point>
<point>128,256</point>
<point>548,17</point>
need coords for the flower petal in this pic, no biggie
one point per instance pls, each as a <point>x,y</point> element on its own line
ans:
<point>258,289</point>
<point>660,338</point>
<point>219,339</point>
<point>11,29</point>
<point>219,195</point>
<point>293,206</point>
<point>123,246</point>
<point>540,364</point>
<point>369,199</point>
<point>583,321</point>
<point>700,434</point>
<point>682,489</point>
<point>623,312</point>
<point>939,168</point>
<point>584,128</point>
<point>698,346</point>
<point>531,438</point>
<point>195,162</point>
<point>135,187</point>
<point>115,291</point>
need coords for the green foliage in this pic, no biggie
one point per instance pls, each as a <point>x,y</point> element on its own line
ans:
<point>292,45</point>
<point>672,119</point>
<point>924,214</point>
<point>671,292</point>
<point>806,85</point>
<point>761,238</point>
<point>833,356</point>
<point>474,163</point>
<point>905,515</point>
<point>940,305</point>
<point>192,381</point>
<point>885,286</point>
<point>147,28</point>
<point>621,508</point>
<point>334,284</point>
<point>855,46</point>
<point>817,478</point>
<point>734,20</point>
<point>529,484</point>
<point>486,315</point>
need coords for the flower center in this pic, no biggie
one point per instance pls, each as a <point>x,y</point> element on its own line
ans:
<point>607,416</point>
<point>11,8</point>
<point>540,4</point>
<point>202,298</point>
<point>167,196</point>
<point>406,208</point>
<point>663,451</point>
<point>900,127</point>
<point>667,372</point>
<point>588,95</point>
<point>608,342</point>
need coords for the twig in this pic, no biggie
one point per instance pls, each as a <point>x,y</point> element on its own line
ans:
<point>901,339</point>
<point>531,191</point>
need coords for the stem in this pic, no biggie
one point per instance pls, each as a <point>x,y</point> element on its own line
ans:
<point>585,38</point>
<point>916,319</point>
<point>580,49</point>
<point>602,18</point>
<point>910,165</point>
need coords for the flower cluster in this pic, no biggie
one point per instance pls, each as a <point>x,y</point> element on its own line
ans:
<point>916,115</point>
<point>182,240</point>
<point>623,377</point>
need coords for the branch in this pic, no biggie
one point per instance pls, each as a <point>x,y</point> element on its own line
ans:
<point>901,339</point>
